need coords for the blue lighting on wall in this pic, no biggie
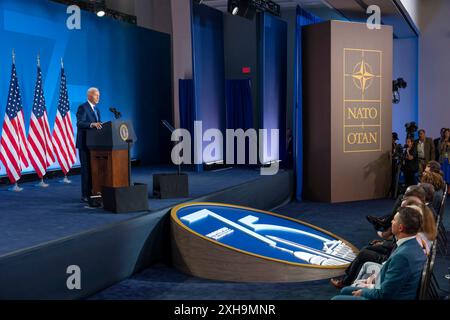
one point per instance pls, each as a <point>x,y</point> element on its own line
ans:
<point>130,65</point>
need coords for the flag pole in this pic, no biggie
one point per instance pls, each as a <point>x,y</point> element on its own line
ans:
<point>16,188</point>
<point>41,184</point>
<point>66,179</point>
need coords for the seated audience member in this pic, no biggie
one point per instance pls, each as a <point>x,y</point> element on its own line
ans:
<point>384,222</point>
<point>399,277</point>
<point>428,231</point>
<point>435,167</point>
<point>379,250</point>
<point>368,275</point>
<point>430,197</point>
<point>438,183</point>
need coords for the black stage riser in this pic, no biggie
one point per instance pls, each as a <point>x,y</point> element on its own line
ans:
<point>113,253</point>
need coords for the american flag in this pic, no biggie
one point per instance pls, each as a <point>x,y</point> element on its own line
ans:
<point>39,139</point>
<point>14,148</point>
<point>62,138</point>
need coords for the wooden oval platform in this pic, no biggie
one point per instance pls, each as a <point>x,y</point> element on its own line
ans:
<point>204,257</point>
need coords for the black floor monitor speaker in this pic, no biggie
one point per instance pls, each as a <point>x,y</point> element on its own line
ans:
<point>126,199</point>
<point>170,185</point>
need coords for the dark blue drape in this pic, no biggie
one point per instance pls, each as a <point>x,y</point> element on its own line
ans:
<point>239,108</point>
<point>303,19</point>
<point>209,72</point>
<point>186,96</point>
<point>273,70</point>
<point>239,104</point>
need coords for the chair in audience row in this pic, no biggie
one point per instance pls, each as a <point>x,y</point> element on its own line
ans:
<point>442,240</point>
<point>429,287</point>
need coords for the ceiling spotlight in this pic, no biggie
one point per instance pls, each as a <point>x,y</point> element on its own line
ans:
<point>101,13</point>
<point>235,11</point>
<point>99,7</point>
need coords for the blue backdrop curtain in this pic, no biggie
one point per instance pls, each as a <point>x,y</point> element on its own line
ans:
<point>273,76</point>
<point>303,19</point>
<point>239,104</point>
<point>186,99</point>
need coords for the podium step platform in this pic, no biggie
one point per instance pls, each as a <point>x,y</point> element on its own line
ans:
<point>47,233</point>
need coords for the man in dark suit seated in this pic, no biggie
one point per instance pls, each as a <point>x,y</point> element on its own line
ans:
<point>425,150</point>
<point>384,222</point>
<point>399,277</point>
<point>88,118</point>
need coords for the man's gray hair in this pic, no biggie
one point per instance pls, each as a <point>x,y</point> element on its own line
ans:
<point>93,89</point>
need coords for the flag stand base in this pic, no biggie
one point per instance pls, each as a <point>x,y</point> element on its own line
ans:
<point>42,184</point>
<point>16,188</point>
<point>65,180</point>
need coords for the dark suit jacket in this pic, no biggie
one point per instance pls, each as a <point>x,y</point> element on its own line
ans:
<point>436,149</point>
<point>428,149</point>
<point>412,165</point>
<point>400,275</point>
<point>85,116</point>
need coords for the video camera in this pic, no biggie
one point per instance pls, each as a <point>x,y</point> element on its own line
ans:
<point>411,129</point>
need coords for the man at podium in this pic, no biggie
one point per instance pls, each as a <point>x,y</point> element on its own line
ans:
<point>88,118</point>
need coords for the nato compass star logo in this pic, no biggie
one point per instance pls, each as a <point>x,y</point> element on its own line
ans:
<point>362,76</point>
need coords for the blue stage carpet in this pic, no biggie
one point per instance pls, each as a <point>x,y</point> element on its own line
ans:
<point>346,220</point>
<point>37,215</point>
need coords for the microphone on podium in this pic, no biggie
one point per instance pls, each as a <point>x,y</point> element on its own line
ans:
<point>116,113</point>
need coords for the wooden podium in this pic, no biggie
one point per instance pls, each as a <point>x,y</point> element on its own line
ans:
<point>110,163</point>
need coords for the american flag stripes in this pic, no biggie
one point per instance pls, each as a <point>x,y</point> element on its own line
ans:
<point>14,148</point>
<point>39,139</point>
<point>63,138</point>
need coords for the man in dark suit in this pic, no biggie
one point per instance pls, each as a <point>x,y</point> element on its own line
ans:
<point>425,150</point>
<point>436,144</point>
<point>88,118</point>
<point>400,275</point>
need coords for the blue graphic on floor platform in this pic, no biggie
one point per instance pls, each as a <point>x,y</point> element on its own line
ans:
<point>265,234</point>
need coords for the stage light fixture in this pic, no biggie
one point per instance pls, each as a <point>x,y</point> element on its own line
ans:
<point>248,8</point>
<point>398,84</point>
<point>233,7</point>
<point>99,7</point>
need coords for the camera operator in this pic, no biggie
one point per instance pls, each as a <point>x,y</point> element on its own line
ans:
<point>411,162</point>
<point>397,159</point>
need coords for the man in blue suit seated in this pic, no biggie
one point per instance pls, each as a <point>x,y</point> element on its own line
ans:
<point>400,275</point>
<point>88,118</point>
